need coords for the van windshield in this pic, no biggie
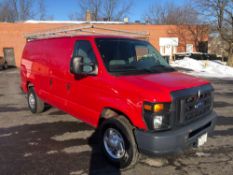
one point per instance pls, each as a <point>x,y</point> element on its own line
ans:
<point>131,56</point>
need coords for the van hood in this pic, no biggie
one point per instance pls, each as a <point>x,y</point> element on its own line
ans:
<point>162,84</point>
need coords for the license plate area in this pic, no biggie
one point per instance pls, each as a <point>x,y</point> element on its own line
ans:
<point>202,139</point>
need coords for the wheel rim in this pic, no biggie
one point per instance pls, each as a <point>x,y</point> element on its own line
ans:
<point>32,101</point>
<point>114,143</point>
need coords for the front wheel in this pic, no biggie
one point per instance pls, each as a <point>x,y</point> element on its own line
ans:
<point>118,142</point>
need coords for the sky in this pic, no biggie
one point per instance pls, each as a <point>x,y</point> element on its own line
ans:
<point>61,9</point>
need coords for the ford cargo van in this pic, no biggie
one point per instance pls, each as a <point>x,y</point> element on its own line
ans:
<point>123,87</point>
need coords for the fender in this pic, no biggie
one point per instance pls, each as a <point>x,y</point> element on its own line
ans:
<point>131,110</point>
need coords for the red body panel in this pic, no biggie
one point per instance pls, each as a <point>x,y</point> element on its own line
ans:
<point>45,64</point>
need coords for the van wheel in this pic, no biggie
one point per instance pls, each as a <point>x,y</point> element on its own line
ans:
<point>35,104</point>
<point>118,142</point>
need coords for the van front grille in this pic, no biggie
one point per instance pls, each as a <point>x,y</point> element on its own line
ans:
<point>191,104</point>
<point>194,106</point>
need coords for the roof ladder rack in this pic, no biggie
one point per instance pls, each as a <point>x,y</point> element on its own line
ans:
<point>72,30</point>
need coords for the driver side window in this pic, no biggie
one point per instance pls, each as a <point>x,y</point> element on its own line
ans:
<point>83,48</point>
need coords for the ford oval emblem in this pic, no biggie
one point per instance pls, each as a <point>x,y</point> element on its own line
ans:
<point>199,104</point>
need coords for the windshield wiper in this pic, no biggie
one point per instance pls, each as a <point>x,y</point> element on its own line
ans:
<point>147,70</point>
<point>161,67</point>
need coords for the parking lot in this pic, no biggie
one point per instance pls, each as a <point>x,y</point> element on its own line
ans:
<point>56,143</point>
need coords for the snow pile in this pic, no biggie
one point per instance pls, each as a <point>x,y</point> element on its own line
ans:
<point>204,68</point>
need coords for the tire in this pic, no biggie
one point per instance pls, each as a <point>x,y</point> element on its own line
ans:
<point>35,104</point>
<point>121,127</point>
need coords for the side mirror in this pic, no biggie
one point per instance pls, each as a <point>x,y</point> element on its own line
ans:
<point>77,67</point>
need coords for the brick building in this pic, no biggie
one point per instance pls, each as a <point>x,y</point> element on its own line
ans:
<point>168,39</point>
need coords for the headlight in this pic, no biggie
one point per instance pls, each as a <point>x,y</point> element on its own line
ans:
<point>161,122</point>
<point>157,116</point>
<point>157,121</point>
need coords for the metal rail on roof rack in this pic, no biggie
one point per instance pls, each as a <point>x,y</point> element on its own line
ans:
<point>89,29</point>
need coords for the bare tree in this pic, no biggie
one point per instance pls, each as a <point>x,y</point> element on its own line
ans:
<point>219,13</point>
<point>13,10</point>
<point>93,5</point>
<point>16,10</point>
<point>42,10</point>
<point>115,9</point>
<point>5,13</point>
<point>9,11</point>
<point>76,16</point>
<point>102,9</point>
<point>189,33</point>
<point>21,10</point>
<point>171,13</point>
<point>25,10</point>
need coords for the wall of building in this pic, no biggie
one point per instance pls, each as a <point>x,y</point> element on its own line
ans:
<point>12,35</point>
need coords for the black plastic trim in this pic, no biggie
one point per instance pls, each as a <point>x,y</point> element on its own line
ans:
<point>195,132</point>
<point>176,140</point>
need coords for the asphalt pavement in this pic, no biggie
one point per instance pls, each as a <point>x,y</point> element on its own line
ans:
<point>54,142</point>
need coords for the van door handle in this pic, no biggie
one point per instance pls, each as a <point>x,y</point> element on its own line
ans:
<point>50,82</point>
<point>68,86</point>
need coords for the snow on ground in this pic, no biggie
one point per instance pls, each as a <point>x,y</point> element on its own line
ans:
<point>204,68</point>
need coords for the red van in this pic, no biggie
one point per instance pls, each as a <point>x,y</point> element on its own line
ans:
<point>123,87</point>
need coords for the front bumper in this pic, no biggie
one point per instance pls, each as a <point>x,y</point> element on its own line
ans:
<point>174,141</point>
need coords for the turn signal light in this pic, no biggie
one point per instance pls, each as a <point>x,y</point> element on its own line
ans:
<point>154,108</point>
<point>158,107</point>
<point>147,107</point>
